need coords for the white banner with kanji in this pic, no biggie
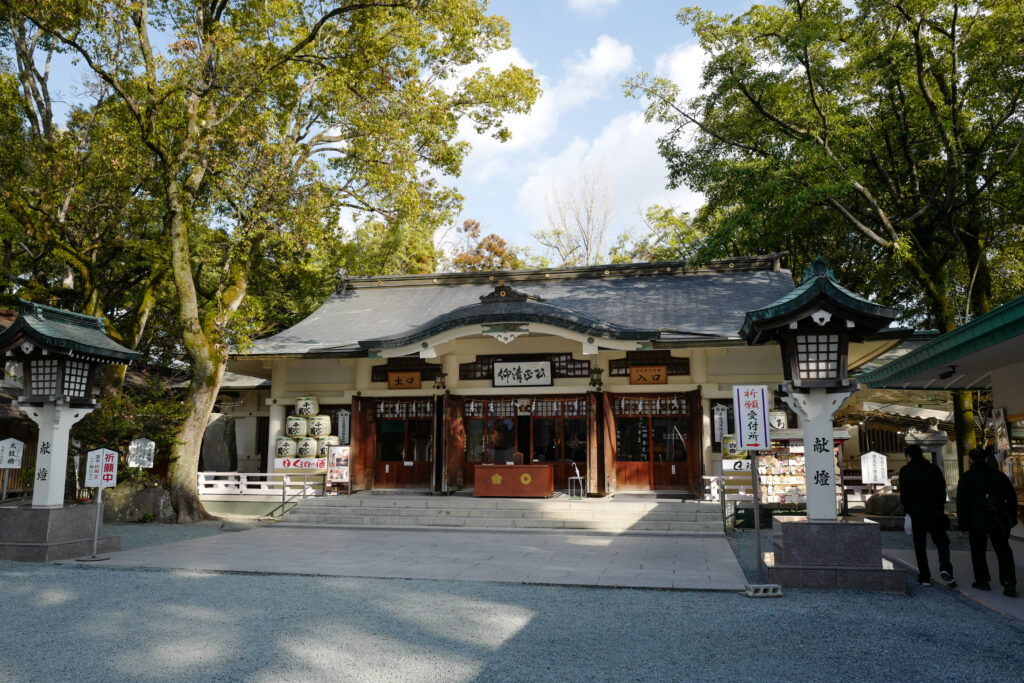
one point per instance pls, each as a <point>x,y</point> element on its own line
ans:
<point>750,416</point>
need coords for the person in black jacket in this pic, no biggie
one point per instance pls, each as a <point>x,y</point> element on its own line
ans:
<point>986,508</point>
<point>923,494</point>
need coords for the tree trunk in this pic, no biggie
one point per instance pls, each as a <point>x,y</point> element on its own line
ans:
<point>963,421</point>
<point>183,474</point>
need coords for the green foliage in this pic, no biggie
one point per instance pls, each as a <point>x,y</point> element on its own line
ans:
<point>148,409</point>
<point>669,235</point>
<point>885,136</point>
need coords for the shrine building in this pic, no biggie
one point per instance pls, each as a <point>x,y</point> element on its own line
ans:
<point>610,370</point>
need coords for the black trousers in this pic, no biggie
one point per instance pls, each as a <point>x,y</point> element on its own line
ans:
<point>922,526</point>
<point>1001,544</point>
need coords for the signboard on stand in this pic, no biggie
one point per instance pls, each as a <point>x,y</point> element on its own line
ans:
<point>751,417</point>
<point>10,454</point>
<point>101,469</point>
<point>338,467</point>
<point>874,468</point>
<point>141,453</point>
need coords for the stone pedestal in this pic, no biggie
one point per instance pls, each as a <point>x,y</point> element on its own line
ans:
<point>842,553</point>
<point>32,534</point>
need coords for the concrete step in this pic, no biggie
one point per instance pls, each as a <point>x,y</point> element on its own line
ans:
<point>415,511</point>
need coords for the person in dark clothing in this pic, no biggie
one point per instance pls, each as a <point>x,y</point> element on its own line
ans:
<point>986,508</point>
<point>923,494</point>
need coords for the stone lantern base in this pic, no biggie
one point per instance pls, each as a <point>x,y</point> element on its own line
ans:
<point>843,553</point>
<point>44,535</point>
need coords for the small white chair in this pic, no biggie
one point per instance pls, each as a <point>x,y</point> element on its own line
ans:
<point>577,484</point>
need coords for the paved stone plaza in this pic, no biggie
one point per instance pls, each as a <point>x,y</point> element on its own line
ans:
<point>118,620</point>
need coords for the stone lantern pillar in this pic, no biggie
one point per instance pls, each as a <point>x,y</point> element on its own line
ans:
<point>60,355</point>
<point>814,325</point>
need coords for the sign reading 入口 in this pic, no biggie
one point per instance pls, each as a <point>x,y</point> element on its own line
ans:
<point>410,379</point>
<point>751,417</point>
<point>531,373</point>
<point>101,468</point>
<point>10,454</point>
<point>648,374</point>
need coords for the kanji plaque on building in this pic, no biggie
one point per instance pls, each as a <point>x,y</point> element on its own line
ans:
<point>648,374</point>
<point>411,379</point>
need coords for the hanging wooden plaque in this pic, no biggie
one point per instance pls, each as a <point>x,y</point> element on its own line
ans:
<point>409,379</point>
<point>648,374</point>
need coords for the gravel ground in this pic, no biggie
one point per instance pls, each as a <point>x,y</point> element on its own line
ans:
<point>85,622</point>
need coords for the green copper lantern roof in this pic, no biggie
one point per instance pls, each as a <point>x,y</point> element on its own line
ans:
<point>57,329</point>
<point>818,291</point>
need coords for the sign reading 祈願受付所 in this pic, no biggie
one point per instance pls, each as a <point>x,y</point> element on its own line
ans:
<point>648,374</point>
<point>751,417</point>
<point>532,373</point>
<point>10,454</point>
<point>101,468</point>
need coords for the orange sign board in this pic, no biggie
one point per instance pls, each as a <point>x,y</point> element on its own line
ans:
<point>405,380</point>
<point>648,374</point>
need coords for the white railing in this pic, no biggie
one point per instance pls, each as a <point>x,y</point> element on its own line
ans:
<point>261,483</point>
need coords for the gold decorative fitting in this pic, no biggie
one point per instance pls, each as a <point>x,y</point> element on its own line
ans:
<point>607,272</point>
<point>732,265</point>
<point>490,277</point>
<point>502,293</point>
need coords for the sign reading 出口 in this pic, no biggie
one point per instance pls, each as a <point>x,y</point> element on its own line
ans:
<point>411,379</point>
<point>751,417</point>
<point>534,373</point>
<point>648,374</point>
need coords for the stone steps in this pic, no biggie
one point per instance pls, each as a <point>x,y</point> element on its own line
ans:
<point>593,514</point>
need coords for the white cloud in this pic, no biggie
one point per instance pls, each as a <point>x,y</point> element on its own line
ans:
<point>591,7</point>
<point>626,151</point>
<point>683,66</point>
<point>586,78</point>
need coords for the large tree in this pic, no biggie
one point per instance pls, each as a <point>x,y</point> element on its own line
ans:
<point>261,120</point>
<point>890,133</point>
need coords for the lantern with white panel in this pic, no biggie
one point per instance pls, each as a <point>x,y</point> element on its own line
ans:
<point>814,326</point>
<point>58,356</point>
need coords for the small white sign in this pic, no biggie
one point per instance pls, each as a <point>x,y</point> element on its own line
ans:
<point>141,453</point>
<point>735,466</point>
<point>10,454</point>
<point>101,468</point>
<point>751,417</point>
<point>534,373</point>
<point>344,427</point>
<point>721,413</point>
<point>777,419</point>
<point>300,464</point>
<point>874,468</point>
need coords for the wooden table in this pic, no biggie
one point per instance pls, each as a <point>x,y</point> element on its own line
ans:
<point>514,481</point>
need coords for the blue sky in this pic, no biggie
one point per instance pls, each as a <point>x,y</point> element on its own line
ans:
<point>582,51</point>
